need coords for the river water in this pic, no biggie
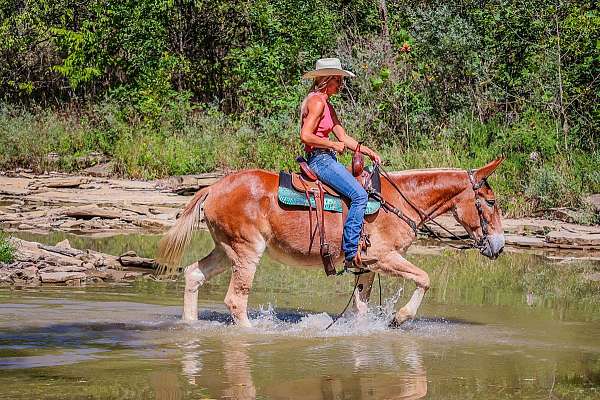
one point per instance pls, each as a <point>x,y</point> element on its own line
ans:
<point>519,327</point>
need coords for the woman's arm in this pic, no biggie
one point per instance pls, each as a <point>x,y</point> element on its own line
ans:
<point>350,142</point>
<point>315,108</point>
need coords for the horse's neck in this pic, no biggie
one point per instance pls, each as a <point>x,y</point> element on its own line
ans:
<point>431,190</point>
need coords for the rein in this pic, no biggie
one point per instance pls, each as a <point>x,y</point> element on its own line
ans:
<point>427,217</point>
<point>414,226</point>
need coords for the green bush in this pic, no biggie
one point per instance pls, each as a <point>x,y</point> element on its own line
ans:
<point>551,187</point>
<point>7,250</point>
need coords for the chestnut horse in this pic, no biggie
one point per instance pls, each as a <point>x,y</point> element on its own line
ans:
<point>245,219</point>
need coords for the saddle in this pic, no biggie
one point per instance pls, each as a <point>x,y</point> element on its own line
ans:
<point>319,198</point>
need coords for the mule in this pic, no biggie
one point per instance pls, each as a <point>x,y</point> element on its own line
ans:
<point>245,220</point>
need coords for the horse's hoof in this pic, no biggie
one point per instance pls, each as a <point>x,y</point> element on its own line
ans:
<point>396,323</point>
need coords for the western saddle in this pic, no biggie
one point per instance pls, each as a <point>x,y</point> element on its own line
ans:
<point>307,181</point>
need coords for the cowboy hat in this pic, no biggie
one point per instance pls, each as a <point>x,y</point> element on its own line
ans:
<point>327,67</point>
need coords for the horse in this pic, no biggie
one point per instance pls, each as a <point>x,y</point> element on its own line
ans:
<point>245,220</point>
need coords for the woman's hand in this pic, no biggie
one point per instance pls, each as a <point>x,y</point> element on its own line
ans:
<point>339,147</point>
<point>376,158</point>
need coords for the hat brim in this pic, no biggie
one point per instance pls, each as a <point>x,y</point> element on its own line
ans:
<point>327,72</point>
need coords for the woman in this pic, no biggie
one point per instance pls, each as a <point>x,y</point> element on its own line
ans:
<point>318,120</point>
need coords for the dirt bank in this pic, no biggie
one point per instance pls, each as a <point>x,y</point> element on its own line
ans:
<point>104,206</point>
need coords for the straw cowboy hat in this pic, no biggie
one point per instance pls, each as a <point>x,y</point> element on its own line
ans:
<point>326,67</point>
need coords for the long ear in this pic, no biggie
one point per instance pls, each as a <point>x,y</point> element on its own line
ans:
<point>488,169</point>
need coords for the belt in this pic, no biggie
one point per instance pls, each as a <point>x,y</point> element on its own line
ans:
<point>320,151</point>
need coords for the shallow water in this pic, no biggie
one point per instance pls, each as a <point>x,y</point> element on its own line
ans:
<point>519,327</point>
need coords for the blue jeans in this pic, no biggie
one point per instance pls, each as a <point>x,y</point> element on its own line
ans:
<point>335,175</point>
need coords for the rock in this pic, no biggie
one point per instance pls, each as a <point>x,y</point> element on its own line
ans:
<point>132,274</point>
<point>103,170</point>
<point>30,273</point>
<point>5,276</point>
<point>64,268</point>
<point>138,262</point>
<point>64,243</point>
<point>114,275</point>
<point>524,241</point>
<point>140,210</point>
<point>73,282</point>
<point>93,211</point>
<point>88,265</point>
<point>66,251</point>
<point>594,200</point>
<point>59,277</point>
<point>101,275</point>
<point>571,239</point>
<point>69,182</point>
<point>94,280</point>
<point>189,184</point>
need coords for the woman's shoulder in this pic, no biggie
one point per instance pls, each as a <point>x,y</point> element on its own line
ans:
<point>315,102</point>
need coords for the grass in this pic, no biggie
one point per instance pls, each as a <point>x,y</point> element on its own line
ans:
<point>535,175</point>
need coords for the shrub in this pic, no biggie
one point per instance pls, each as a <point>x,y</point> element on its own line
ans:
<point>7,249</point>
<point>550,187</point>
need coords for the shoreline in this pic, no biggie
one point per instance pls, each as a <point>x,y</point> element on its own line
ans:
<point>104,206</point>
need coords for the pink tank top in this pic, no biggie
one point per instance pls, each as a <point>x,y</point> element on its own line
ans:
<point>325,125</point>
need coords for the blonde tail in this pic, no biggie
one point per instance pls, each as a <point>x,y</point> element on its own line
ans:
<point>172,245</point>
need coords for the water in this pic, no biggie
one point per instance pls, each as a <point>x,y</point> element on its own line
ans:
<point>519,327</point>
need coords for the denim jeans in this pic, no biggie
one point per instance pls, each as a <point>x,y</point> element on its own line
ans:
<point>335,175</point>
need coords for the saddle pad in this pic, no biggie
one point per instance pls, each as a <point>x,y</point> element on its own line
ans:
<point>289,196</point>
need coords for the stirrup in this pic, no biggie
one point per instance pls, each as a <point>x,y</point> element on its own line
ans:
<point>350,267</point>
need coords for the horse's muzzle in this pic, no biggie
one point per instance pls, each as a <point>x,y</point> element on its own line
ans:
<point>492,246</point>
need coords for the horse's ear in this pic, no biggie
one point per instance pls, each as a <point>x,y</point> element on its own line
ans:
<point>485,171</point>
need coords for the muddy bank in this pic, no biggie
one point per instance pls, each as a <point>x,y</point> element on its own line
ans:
<point>103,206</point>
<point>37,264</point>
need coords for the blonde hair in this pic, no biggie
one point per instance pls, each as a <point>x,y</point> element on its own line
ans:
<point>320,83</point>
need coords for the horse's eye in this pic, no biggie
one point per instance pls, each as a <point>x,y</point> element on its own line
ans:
<point>491,202</point>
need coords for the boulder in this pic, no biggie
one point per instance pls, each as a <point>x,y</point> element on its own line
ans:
<point>60,277</point>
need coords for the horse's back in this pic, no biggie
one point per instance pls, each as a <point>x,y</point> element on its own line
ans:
<point>241,200</point>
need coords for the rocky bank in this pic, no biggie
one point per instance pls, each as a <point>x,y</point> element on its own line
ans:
<point>92,205</point>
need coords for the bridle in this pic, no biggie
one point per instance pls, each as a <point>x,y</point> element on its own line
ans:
<point>483,223</point>
<point>478,244</point>
<point>475,185</point>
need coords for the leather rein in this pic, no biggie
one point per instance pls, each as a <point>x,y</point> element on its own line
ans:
<point>478,244</point>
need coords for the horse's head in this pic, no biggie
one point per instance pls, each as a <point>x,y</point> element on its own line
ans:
<point>477,211</point>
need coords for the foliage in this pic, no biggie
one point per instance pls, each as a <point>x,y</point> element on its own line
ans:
<point>7,249</point>
<point>182,86</point>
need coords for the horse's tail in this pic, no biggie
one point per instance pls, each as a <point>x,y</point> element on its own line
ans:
<point>175,241</point>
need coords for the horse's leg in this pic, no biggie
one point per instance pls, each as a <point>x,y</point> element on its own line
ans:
<point>195,276</point>
<point>396,265</point>
<point>244,257</point>
<point>362,293</point>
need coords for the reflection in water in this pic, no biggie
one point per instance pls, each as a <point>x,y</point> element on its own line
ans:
<point>519,327</point>
<point>370,360</point>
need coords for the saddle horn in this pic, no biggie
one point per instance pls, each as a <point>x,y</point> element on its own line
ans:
<point>358,162</point>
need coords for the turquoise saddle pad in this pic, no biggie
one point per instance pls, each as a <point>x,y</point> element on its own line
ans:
<point>289,196</point>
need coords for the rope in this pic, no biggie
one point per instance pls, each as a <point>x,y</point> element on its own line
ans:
<point>345,308</point>
<point>425,217</point>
